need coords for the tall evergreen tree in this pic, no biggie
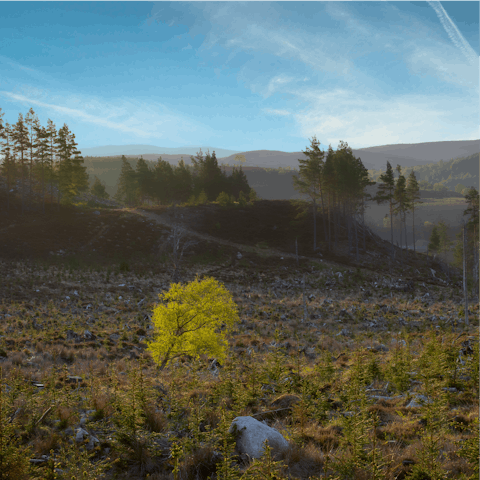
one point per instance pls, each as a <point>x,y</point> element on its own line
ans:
<point>238,182</point>
<point>7,153</point>
<point>163,181</point>
<point>72,176</point>
<point>52,175</point>
<point>209,176</point>
<point>20,139</point>
<point>330,185</point>
<point>144,179</point>
<point>183,182</point>
<point>309,179</point>
<point>413,193</point>
<point>32,124</point>
<point>385,194</point>
<point>98,189</point>
<point>127,184</point>
<point>402,202</point>
<point>42,156</point>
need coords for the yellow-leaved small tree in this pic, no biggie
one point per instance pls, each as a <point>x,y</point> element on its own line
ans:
<point>188,320</point>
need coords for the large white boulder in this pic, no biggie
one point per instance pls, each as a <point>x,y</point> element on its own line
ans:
<point>253,433</point>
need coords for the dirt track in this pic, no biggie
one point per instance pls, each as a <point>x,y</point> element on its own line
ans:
<point>165,220</point>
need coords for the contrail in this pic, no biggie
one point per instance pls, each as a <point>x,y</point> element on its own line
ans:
<point>452,31</point>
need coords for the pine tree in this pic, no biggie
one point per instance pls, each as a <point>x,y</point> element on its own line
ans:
<point>163,181</point>
<point>7,152</point>
<point>32,124</point>
<point>52,176</point>
<point>98,189</point>
<point>144,179</point>
<point>309,179</point>
<point>402,202</point>
<point>237,182</point>
<point>385,194</point>
<point>208,175</point>
<point>183,182</point>
<point>413,192</point>
<point>42,155</point>
<point>20,139</point>
<point>127,184</point>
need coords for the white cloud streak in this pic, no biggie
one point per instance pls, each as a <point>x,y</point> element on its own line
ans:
<point>129,117</point>
<point>454,33</point>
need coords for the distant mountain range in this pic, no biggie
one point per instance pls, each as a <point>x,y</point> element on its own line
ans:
<point>374,158</point>
<point>137,150</point>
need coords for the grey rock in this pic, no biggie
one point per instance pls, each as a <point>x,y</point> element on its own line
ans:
<point>80,433</point>
<point>87,335</point>
<point>418,401</point>
<point>252,435</point>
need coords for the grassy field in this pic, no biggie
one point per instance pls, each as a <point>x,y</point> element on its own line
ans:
<point>369,372</point>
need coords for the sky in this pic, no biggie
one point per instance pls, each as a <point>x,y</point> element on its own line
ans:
<point>244,75</point>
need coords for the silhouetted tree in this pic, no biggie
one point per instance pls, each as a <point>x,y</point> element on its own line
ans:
<point>183,182</point>
<point>98,189</point>
<point>309,180</point>
<point>163,181</point>
<point>127,184</point>
<point>413,192</point>
<point>385,194</point>
<point>20,139</point>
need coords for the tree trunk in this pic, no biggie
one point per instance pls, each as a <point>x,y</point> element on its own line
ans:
<point>314,226</point>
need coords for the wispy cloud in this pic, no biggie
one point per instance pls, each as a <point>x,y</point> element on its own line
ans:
<point>454,33</point>
<point>343,115</point>
<point>130,117</point>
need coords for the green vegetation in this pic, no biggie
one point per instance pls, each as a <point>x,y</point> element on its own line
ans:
<point>186,324</point>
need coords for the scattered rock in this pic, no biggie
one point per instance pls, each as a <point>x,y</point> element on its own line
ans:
<point>87,335</point>
<point>253,433</point>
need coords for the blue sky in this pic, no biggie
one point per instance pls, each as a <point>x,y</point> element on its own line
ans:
<point>244,75</point>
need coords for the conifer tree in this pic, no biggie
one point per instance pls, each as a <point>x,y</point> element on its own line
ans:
<point>309,179</point>
<point>127,184</point>
<point>31,123</point>
<point>20,139</point>
<point>42,155</point>
<point>237,182</point>
<point>72,176</point>
<point>7,152</point>
<point>183,186</point>
<point>402,202</point>
<point>385,194</point>
<point>52,152</point>
<point>413,192</point>
<point>163,181</point>
<point>98,189</point>
<point>144,179</point>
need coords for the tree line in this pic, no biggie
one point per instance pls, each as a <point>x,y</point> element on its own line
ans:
<point>336,181</point>
<point>200,182</point>
<point>45,160</point>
